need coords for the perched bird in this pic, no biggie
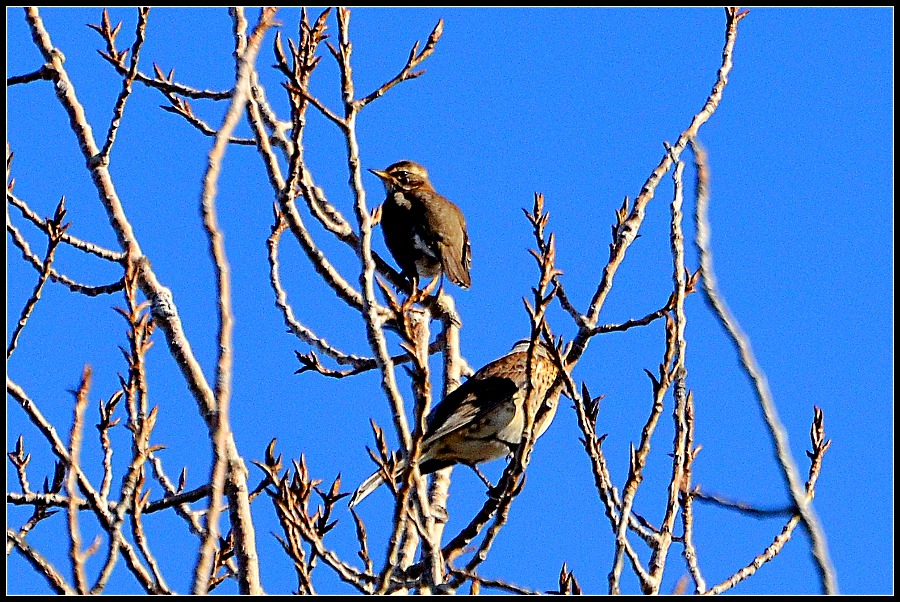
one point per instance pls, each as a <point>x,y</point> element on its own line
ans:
<point>483,419</point>
<point>425,232</point>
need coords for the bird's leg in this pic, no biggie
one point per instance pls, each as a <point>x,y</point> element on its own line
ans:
<point>419,296</point>
<point>481,476</point>
<point>413,295</point>
<point>429,288</point>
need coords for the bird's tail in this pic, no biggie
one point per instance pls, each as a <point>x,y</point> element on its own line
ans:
<point>455,266</point>
<point>367,487</point>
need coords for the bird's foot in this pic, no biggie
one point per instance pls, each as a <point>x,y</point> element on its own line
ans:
<point>419,296</point>
<point>375,216</point>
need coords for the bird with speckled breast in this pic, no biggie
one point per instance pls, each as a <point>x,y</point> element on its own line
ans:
<point>483,419</point>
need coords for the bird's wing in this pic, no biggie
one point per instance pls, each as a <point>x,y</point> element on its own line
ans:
<point>453,246</point>
<point>474,399</point>
<point>467,251</point>
<point>366,487</point>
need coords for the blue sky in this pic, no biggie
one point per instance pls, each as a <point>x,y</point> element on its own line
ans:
<point>572,103</point>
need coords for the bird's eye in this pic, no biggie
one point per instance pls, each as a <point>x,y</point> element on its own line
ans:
<point>403,176</point>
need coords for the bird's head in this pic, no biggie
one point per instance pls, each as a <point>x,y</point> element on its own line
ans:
<point>403,175</point>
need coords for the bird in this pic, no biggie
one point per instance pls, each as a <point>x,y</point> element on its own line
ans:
<point>483,419</point>
<point>425,232</point>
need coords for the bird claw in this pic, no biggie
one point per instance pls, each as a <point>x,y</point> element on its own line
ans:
<point>418,296</point>
<point>409,302</point>
<point>375,216</point>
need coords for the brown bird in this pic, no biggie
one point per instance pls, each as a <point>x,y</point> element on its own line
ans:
<point>483,419</point>
<point>425,232</point>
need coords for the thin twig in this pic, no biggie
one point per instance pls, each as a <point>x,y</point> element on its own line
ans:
<point>54,579</point>
<point>541,394</point>
<point>623,326</point>
<point>139,37</point>
<point>689,550</point>
<point>415,59</point>
<point>139,499</point>
<point>305,334</point>
<point>75,287</point>
<point>739,506</point>
<point>819,446</point>
<point>586,409</point>
<point>493,583</point>
<point>20,461</point>
<point>323,109</point>
<point>164,83</point>
<point>41,74</point>
<point>567,304</point>
<point>638,460</point>
<point>76,555</point>
<point>67,238</point>
<point>183,108</point>
<point>57,500</point>
<point>40,513</point>
<point>627,230</point>
<point>55,228</point>
<point>104,426</point>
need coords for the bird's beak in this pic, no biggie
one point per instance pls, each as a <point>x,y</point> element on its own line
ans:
<point>381,174</point>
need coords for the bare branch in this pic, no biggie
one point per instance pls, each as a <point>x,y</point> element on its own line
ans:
<point>753,370</point>
<point>651,317</point>
<point>67,238</point>
<point>820,445</point>
<point>56,581</point>
<point>373,320</point>
<point>221,430</point>
<point>331,115</point>
<point>164,83</point>
<point>302,332</point>
<point>41,74</point>
<point>55,229</point>
<point>687,502</point>
<point>627,231</point>
<point>139,37</point>
<point>415,59</point>
<point>75,287</point>
<point>492,583</point>
<point>182,108</point>
<point>678,482</point>
<point>76,554</point>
